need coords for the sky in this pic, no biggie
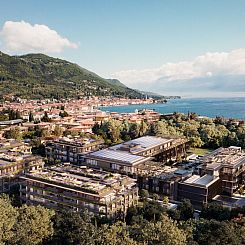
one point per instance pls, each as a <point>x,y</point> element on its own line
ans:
<point>189,47</point>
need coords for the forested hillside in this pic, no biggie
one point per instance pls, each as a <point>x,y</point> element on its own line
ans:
<point>37,76</point>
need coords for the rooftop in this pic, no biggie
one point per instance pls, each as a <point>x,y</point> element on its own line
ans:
<point>205,180</point>
<point>230,157</point>
<point>142,143</point>
<point>115,155</point>
<point>83,179</point>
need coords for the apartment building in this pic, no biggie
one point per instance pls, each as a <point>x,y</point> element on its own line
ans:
<point>199,189</point>
<point>77,188</point>
<point>71,150</point>
<point>228,164</point>
<point>126,157</point>
<point>12,165</point>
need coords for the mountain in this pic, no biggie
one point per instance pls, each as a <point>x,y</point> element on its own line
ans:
<point>38,76</point>
<point>116,82</point>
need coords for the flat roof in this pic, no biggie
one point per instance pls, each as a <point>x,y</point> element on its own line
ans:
<point>143,143</point>
<point>86,179</point>
<point>229,157</point>
<point>115,155</point>
<point>230,201</point>
<point>205,180</point>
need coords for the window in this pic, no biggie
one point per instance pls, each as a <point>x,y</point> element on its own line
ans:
<point>92,162</point>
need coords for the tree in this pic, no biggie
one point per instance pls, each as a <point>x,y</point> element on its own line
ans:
<point>134,130</point>
<point>143,128</point>
<point>161,232</point>
<point>58,131</point>
<point>96,128</point>
<point>8,216</point>
<point>215,211</point>
<point>165,200</point>
<point>73,228</point>
<point>155,197</point>
<point>31,117</point>
<point>152,210</point>
<point>45,117</point>
<point>116,234</point>
<point>114,130</point>
<point>186,209</point>
<point>213,232</point>
<point>196,141</point>
<point>144,194</point>
<point>33,225</point>
<point>13,133</point>
<point>63,114</point>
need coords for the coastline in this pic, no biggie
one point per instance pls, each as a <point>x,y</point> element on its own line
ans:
<point>208,107</point>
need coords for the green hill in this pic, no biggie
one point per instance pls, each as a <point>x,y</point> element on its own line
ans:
<point>37,76</point>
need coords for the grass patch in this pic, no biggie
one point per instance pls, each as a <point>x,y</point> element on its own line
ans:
<point>199,151</point>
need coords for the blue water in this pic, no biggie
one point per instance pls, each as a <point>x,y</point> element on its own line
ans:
<point>211,107</point>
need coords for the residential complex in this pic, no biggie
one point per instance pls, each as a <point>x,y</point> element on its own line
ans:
<point>79,187</point>
<point>128,157</point>
<point>228,164</point>
<point>220,172</point>
<point>15,159</point>
<point>71,149</point>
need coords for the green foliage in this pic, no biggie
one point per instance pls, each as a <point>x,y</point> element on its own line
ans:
<point>45,117</point>
<point>186,209</point>
<point>13,133</point>
<point>33,225</point>
<point>116,234</point>
<point>149,224</point>
<point>63,114</point>
<point>8,217</point>
<point>58,131</point>
<point>213,232</point>
<point>26,225</point>
<point>73,228</point>
<point>38,76</point>
<point>164,231</point>
<point>215,211</point>
<point>144,194</point>
<point>9,114</point>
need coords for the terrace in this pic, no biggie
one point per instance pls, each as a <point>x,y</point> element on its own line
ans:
<point>82,179</point>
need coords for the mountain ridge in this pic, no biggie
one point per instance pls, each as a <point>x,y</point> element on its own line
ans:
<point>37,76</point>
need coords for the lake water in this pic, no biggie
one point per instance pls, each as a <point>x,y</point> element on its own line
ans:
<point>211,107</point>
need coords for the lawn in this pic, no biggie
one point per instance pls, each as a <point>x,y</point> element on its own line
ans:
<point>199,151</point>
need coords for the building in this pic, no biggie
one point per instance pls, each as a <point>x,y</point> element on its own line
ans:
<point>75,188</point>
<point>126,157</point>
<point>199,189</point>
<point>13,165</point>
<point>163,181</point>
<point>228,164</point>
<point>71,150</point>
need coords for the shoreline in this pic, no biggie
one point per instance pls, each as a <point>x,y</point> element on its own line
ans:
<point>227,108</point>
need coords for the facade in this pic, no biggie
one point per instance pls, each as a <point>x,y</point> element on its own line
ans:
<point>75,188</point>
<point>164,183</point>
<point>126,157</point>
<point>11,166</point>
<point>228,164</point>
<point>199,189</point>
<point>71,150</point>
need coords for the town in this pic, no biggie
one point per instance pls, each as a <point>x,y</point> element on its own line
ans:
<point>50,150</point>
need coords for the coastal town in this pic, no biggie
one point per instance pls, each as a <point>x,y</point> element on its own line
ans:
<point>122,122</point>
<point>50,149</point>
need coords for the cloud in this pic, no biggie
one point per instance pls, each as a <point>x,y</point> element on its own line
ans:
<point>22,37</point>
<point>215,66</point>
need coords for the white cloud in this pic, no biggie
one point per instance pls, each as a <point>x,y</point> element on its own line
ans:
<point>207,65</point>
<point>22,37</point>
